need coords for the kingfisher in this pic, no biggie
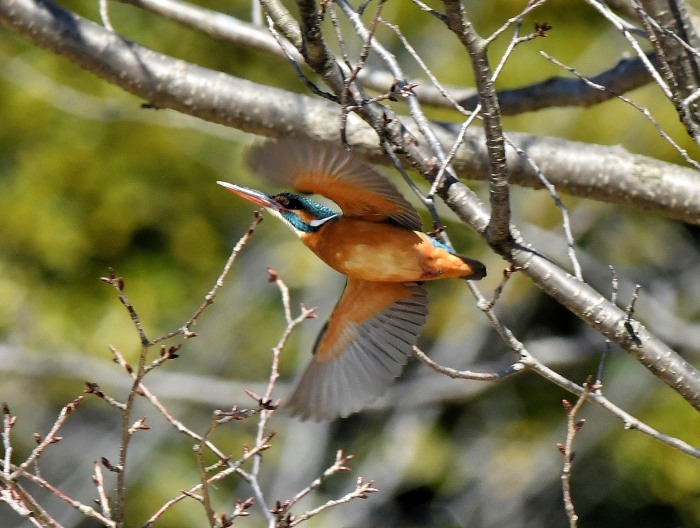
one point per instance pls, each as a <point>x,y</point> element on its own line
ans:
<point>378,243</point>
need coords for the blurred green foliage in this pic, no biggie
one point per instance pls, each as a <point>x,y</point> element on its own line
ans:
<point>89,180</point>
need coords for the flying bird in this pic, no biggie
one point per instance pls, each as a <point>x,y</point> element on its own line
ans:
<point>378,243</point>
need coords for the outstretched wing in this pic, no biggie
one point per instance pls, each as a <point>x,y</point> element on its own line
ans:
<point>362,348</point>
<point>331,171</point>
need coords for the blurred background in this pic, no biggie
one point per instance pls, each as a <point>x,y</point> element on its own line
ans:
<point>90,180</point>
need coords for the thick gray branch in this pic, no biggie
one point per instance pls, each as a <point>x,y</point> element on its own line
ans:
<point>609,174</point>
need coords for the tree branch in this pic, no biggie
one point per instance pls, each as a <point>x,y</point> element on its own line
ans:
<point>609,174</point>
<point>216,97</point>
<point>498,230</point>
<point>676,43</point>
<point>626,75</point>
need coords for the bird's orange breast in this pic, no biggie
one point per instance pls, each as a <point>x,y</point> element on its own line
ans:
<point>382,252</point>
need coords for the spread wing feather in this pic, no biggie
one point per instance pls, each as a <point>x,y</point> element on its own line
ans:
<point>331,171</point>
<point>361,350</point>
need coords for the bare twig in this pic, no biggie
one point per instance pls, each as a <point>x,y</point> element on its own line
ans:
<point>104,15</point>
<point>361,491</point>
<point>49,439</point>
<point>98,480</point>
<point>206,499</point>
<point>346,94</point>
<point>126,436</point>
<point>629,422</point>
<point>266,400</point>
<point>209,298</point>
<point>566,220</point>
<point>84,509</point>
<point>118,284</point>
<point>339,465</point>
<point>233,468</point>
<point>528,362</point>
<point>8,422</point>
<point>467,374</point>
<point>566,449</point>
<point>282,510</point>
<point>642,110</point>
<point>25,505</point>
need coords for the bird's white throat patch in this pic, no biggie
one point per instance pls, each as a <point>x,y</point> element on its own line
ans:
<point>320,221</point>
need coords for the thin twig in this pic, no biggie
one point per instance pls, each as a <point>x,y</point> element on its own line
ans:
<point>297,68</point>
<point>626,32</point>
<point>566,220</point>
<point>467,374</point>
<point>209,298</point>
<point>507,274</point>
<point>206,498</point>
<point>340,464</point>
<point>84,509</point>
<point>98,480</point>
<point>27,506</point>
<point>629,422</point>
<point>8,422</point>
<point>641,109</point>
<point>346,94</point>
<point>104,15</point>
<point>573,426</point>
<point>608,344</point>
<point>266,399</point>
<point>127,434</point>
<point>361,491</point>
<point>233,468</point>
<point>118,284</point>
<point>529,362</point>
<point>50,438</point>
<point>390,60</point>
<point>516,20</point>
<point>94,388</point>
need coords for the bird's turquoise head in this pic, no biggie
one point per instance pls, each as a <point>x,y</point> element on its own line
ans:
<point>299,213</point>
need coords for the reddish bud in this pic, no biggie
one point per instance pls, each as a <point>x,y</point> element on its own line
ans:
<point>93,388</point>
<point>108,465</point>
<point>272,275</point>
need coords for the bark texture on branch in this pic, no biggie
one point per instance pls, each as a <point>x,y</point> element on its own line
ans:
<point>609,174</point>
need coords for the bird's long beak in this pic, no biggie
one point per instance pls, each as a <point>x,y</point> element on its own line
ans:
<point>252,195</point>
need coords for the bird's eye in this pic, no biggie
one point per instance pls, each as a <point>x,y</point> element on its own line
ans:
<point>282,200</point>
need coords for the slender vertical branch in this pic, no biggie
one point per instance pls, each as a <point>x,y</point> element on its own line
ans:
<point>498,231</point>
<point>120,506</point>
<point>314,49</point>
<point>573,426</point>
<point>266,400</point>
